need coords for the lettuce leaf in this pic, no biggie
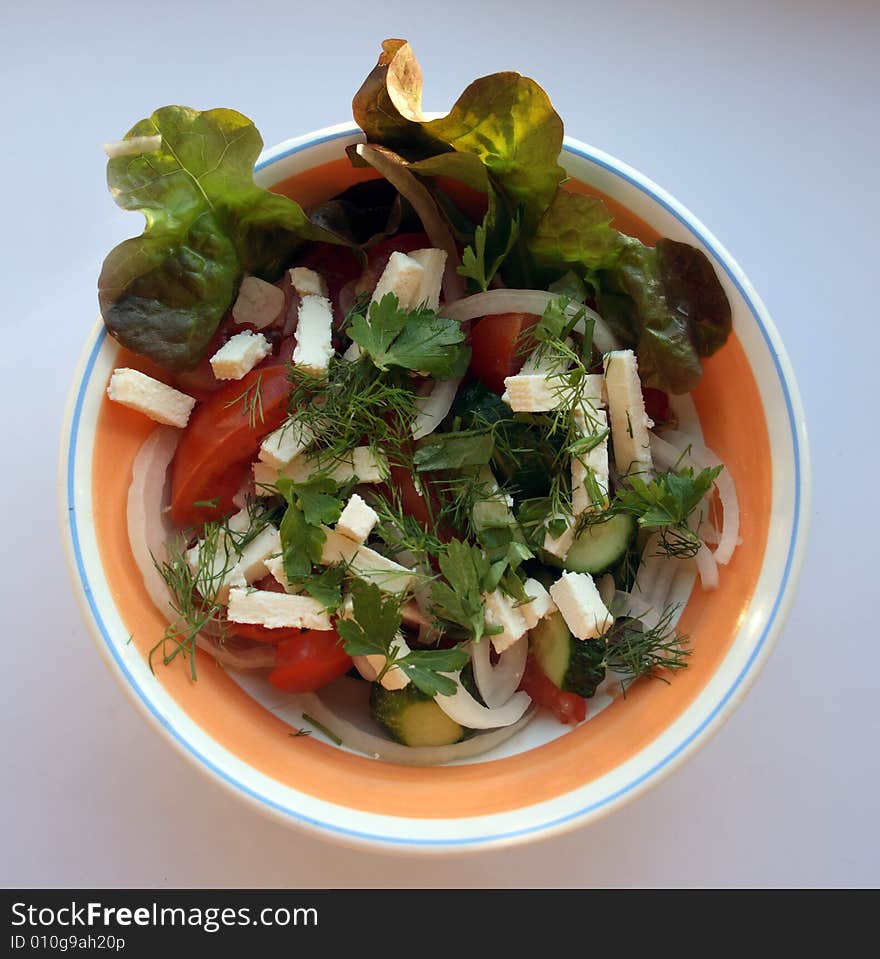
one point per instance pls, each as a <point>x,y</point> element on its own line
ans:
<point>163,294</point>
<point>506,121</point>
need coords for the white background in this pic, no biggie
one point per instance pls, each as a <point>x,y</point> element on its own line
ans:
<point>761,117</point>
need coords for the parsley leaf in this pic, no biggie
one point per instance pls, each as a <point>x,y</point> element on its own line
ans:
<point>326,587</point>
<point>373,631</point>
<point>459,599</point>
<point>666,503</point>
<point>494,238</point>
<point>309,505</point>
<point>417,339</point>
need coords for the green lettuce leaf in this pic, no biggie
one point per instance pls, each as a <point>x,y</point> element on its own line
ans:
<point>576,231</point>
<point>162,294</point>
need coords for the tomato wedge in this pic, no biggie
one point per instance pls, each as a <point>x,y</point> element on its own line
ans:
<point>566,707</point>
<point>494,341</point>
<point>309,661</point>
<point>224,431</point>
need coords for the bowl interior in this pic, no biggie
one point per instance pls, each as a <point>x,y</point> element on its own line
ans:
<point>550,777</point>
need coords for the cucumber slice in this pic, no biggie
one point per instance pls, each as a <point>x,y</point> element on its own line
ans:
<point>600,546</point>
<point>412,718</point>
<point>571,664</point>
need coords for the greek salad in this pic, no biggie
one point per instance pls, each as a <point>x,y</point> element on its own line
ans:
<point>424,436</point>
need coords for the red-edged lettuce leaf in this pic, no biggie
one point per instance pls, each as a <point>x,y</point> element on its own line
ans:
<point>162,294</point>
<point>504,120</point>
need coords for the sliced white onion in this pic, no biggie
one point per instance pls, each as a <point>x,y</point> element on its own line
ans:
<point>465,710</point>
<point>149,527</point>
<point>494,302</point>
<point>663,582</point>
<point>393,168</point>
<point>499,682</point>
<point>648,569</point>
<point>432,409</point>
<point>378,747</point>
<point>707,567</point>
<point>260,656</point>
<point>630,604</point>
<point>605,586</point>
<point>701,457</point>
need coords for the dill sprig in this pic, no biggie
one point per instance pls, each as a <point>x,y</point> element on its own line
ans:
<point>252,402</point>
<point>355,404</point>
<point>636,651</point>
<point>193,596</point>
<point>401,532</point>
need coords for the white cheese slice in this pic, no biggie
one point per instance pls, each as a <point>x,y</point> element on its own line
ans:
<point>314,335</point>
<point>140,392</point>
<point>403,277</point>
<point>500,611</point>
<point>540,605</point>
<point>626,406</point>
<point>559,546</point>
<point>263,607</point>
<point>366,563</point>
<point>286,443</point>
<point>593,463</point>
<point>540,392</point>
<point>433,262</point>
<point>578,600</point>
<point>307,282</point>
<point>259,304</point>
<point>357,519</point>
<point>252,561</point>
<point>275,567</point>
<point>239,355</point>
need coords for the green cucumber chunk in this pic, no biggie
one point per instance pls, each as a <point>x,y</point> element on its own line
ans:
<point>571,664</point>
<point>601,545</point>
<point>412,718</point>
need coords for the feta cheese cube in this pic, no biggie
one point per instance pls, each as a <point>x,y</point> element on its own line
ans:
<point>402,276</point>
<point>263,607</point>
<point>307,282</point>
<point>140,392</point>
<point>370,666</point>
<point>578,600</point>
<point>626,406</point>
<point>314,332</point>
<point>285,444</point>
<point>559,546</point>
<point>540,605</point>
<point>433,262</point>
<point>591,464</point>
<point>258,304</point>
<point>275,567</point>
<point>500,611</point>
<point>252,561</point>
<point>364,562</point>
<point>540,392</point>
<point>357,519</point>
<point>533,392</point>
<point>239,355</point>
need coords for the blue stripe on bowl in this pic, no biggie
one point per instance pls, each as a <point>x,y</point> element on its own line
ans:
<point>658,767</point>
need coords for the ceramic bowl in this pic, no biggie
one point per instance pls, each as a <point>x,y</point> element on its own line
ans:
<point>550,779</point>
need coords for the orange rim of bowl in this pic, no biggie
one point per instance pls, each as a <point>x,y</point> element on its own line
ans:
<point>735,428</point>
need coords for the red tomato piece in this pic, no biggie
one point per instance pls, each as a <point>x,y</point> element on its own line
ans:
<point>224,431</point>
<point>309,661</point>
<point>566,707</point>
<point>495,342</point>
